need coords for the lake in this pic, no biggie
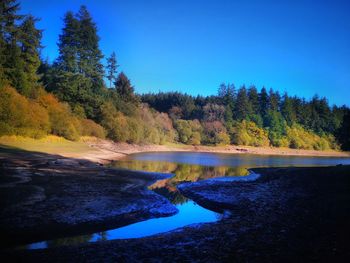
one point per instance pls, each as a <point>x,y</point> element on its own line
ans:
<point>187,167</point>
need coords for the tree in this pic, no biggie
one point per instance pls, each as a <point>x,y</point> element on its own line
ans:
<point>19,48</point>
<point>30,45</point>
<point>78,72</point>
<point>277,128</point>
<point>9,34</point>
<point>274,100</point>
<point>112,67</point>
<point>254,99</point>
<point>343,133</point>
<point>243,107</point>
<point>288,110</point>
<point>89,53</point>
<point>213,112</point>
<point>263,102</point>
<point>124,88</point>
<point>68,44</point>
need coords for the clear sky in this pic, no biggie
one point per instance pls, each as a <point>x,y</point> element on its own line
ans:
<point>298,46</point>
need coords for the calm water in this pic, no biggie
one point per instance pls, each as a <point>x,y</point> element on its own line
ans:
<point>187,167</point>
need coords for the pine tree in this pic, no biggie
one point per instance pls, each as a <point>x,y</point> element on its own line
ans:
<point>10,64</point>
<point>30,45</point>
<point>254,99</point>
<point>124,88</point>
<point>112,67</point>
<point>89,53</point>
<point>288,110</point>
<point>263,102</point>
<point>274,100</point>
<point>242,107</point>
<point>78,72</point>
<point>68,44</point>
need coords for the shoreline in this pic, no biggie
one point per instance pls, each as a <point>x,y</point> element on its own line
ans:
<point>108,151</point>
<point>105,151</point>
<point>62,195</point>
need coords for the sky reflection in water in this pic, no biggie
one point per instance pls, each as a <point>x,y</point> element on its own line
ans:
<point>186,167</point>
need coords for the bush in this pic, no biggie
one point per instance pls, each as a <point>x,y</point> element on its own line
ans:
<point>248,133</point>
<point>302,139</point>
<point>189,132</point>
<point>91,128</point>
<point>21,116</point>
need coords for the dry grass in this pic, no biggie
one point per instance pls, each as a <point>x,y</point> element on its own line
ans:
<point>49,144</point>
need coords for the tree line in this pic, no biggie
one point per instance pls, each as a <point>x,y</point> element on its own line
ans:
<point>78,95</point>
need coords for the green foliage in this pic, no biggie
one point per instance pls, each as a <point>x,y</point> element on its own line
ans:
<point>77,75</point>
<point>344,132</point>
<point>189,131</point>
<point>124,88</point>
<point>41,116</point>
<point>248,117</point>
<point>19,48</point>
<point>215,133</point>
<point>248,133</point>
<point>91,128</point>
<point>243,107</point>
<point>300,138</point>
<point>112,67</point>
<point>276,127</point>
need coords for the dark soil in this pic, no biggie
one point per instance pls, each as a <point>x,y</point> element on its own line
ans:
<point>287,215</point>
<point>53,197</point>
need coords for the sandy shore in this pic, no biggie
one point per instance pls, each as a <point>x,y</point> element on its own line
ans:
<point>104,151</point>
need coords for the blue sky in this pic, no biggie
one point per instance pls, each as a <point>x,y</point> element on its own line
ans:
<point>302,47</point>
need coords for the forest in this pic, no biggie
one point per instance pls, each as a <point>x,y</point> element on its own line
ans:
<point>82,93</point>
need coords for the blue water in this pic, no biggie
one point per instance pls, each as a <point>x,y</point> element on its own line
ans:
<point>187,166</point>
<point>237,160</point>
<point>189,213</point>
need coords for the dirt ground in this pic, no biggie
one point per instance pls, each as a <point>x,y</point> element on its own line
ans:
<point>287,215</point>
<point>45,196</point>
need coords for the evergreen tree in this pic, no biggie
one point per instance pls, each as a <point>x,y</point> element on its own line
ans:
<point>112,67</point>
<point>10,63</point>
<point>243,107</point>
<point>89,53</point>
<point>78,72</point>
<point>124,88</point>
<point>30,45</point>
<point>343,133</point>
<point>274,100</point>
<point>254,99</point>
<point>68,44</point>
<point>263,102</point>
<point>288,110</point>
<point>19,48</point>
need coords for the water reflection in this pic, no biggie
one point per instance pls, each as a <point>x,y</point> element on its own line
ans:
<point>186,167</point>
<point>183,172</point>
<point>189,213</point>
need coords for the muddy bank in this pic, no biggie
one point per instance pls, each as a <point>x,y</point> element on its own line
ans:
<point>287,215</point>
<point>46,196</point>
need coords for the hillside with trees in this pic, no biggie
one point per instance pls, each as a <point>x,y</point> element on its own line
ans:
<point>78,95</point>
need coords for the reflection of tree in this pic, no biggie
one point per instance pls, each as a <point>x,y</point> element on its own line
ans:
<point>183,173</point>
<point>149,166</point>
<point>175,197</point>
<point>69,241</point>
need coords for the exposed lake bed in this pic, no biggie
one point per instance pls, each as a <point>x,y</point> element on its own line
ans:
<point>267,214</point>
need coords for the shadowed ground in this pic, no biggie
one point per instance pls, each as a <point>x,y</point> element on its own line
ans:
<point>287,215</point>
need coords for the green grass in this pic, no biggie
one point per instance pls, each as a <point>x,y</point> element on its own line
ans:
<point>49,144</point>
